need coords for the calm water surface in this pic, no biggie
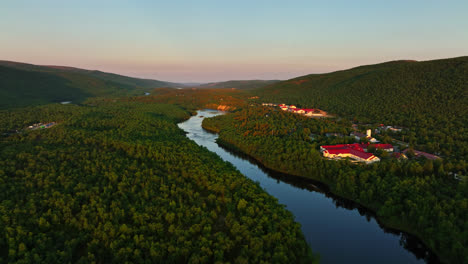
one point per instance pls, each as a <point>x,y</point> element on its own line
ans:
<point>337,229</point>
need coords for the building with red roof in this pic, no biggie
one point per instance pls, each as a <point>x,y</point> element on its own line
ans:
<point>298,111</point>
<point>386,147</point>
<point>353,151</point>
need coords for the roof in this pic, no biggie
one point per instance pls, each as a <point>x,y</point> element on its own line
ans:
<point>355,149</point>
<point>360,154</point>
<point>383,146</point>
<point>355,146</point>
<point>424,154</point>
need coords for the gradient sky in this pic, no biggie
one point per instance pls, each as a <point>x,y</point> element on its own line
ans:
<point>200,41</point>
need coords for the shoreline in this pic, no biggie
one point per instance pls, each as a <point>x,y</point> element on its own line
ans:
<point>386,224</point>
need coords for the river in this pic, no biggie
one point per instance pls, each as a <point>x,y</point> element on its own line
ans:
<point>338,229</point>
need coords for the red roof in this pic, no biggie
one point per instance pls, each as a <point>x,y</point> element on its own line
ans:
<point>360,154</point>
<point>355,149</point>
<point>339,146</point>
<point>356,146</point>
<point>383,146</point>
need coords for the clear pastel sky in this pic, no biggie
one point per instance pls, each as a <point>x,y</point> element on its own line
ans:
<point>215,40</point>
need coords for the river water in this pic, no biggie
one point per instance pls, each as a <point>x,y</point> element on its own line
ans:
<point>339,230</point>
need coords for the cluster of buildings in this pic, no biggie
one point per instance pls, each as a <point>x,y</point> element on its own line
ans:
<point>31,127</point>
<point>311,112</point>
<point>41,125</point>
<point>356,152</point>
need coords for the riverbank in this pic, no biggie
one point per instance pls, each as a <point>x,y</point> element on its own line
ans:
<point>388,220</point>
<point>341,230</point>
<point>391,224</point>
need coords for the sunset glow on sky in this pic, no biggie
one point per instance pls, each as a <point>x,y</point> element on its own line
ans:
<point>201,41</point>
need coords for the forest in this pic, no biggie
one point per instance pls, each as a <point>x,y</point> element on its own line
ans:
<point>238,84</point>
<point>195,98</point>
<point>429,99</point>
<point>118,182</point>
<point>418,196</point>
<point>24,84</point>
<point>115,180</point>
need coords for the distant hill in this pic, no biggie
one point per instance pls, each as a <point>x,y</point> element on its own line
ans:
<point>391,91</point>
<point>240,84</point>
<point>429,97</point>
<point>24,84</point>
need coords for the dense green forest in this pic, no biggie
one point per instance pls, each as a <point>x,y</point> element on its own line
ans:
<point>196,98</point>
<point>239,84</point>
<point>118,182</point>
<point>417,195</point>
<point>105,76</point>
<point>25,84</point>
<point>429,98</point>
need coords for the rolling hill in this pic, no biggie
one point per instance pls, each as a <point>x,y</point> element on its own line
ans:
<point>239,84</point>
<point>430,98</point>
<point>24,84</point>
<point>391,91</point>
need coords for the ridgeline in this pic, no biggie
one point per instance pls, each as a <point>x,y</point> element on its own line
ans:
<point>26,84</point>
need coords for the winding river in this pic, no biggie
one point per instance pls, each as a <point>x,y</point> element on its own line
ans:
<point>339,230</point>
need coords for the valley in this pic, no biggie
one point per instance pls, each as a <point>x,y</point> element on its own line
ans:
<point>113,159</point>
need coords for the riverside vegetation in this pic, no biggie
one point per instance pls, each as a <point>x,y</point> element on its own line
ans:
<point>429,99</point>
<point>417,196</point>
<point>117,182</point>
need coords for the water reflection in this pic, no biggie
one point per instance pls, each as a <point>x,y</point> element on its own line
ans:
<point>340,230</point>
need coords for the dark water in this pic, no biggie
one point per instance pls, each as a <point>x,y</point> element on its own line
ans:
<point>338,229</point>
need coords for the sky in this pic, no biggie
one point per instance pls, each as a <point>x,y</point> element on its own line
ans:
<point>216,40</point>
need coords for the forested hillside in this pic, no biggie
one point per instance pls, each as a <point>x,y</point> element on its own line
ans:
<point>117,182</point>
<point>106,76</point>
<point>25,84</point>
<point>417,195</point>
<point>239,84</point>
<point>430,98</point>
<point>196,98</point>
